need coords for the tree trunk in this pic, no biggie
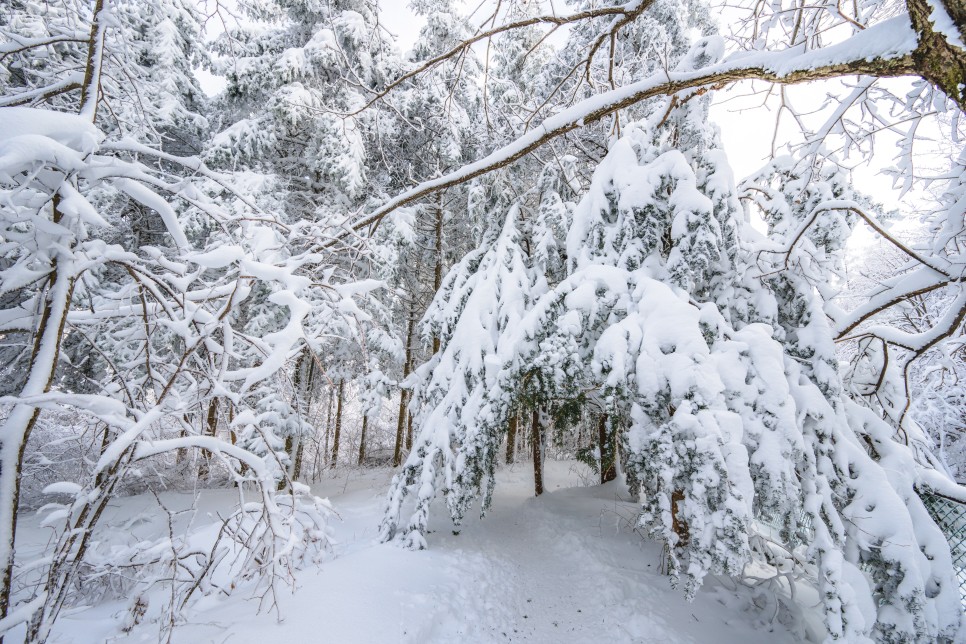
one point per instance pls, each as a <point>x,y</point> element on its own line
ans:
<point>409,431</point>
<point>297,468</point>
<point>362,440</point>
<point>328,428</point>
<point>302,382</point>
<point>22,418</point>
<point>233,437</point>
<point>438,267</point>
<point>401,420</point>
<point>536,441</point>
<point>605,444</point>
<point>182,452</point>
<point>289,445</point>
<point>400,429</point>
<point>105,441</point>
<point>678,525</point>
<point>211,428</point>
<point>338,424</point>
<point>511,438</point>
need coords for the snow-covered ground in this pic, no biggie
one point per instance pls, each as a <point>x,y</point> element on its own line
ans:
<point>565,567</point>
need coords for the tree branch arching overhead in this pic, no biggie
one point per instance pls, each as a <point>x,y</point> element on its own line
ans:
<point>908,45</point>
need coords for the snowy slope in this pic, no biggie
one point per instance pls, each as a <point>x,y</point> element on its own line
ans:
<point>562,568</point>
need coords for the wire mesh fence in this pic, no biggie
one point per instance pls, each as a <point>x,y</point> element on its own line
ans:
<point>950,516</point>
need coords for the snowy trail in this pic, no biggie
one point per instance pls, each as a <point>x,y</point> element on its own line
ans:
<point>572,572</point>
<point>552,587</point>
<point>563,568</point>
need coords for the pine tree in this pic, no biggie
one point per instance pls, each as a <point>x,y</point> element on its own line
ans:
<point>294,85</point>
<point>722,385</point>
<point>464,394</point>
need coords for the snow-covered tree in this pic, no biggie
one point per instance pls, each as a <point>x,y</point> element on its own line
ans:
<point>175,344</point>
<point>722,385</point>
<point>464,395</point>
<point>296,74</point>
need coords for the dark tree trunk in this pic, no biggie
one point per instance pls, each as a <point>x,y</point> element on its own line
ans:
<point>362,440</point>
<point>211,429</point>
<point>289,448</point>
<point>511,438</point>
<point>409,431</point>
<point>535,440</point>
<point>401,420</point>
<point>677,523</point>
<point>605,443</point>
<point>105,441</point>
<point>338,423</point>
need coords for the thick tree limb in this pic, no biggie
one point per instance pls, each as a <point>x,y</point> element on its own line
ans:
<point>920,282</point>
<point>939,61</point>
<point>41,94</point>
<point>888,49</point>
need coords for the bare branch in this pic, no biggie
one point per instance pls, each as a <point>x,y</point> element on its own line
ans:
<point>628,12</point>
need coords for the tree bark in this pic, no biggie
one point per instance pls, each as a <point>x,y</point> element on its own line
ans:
<point>936,60</point>
<point>45,354</point>
<point>678,525</point>
<point>409,431</point>
<point>338,423</point>
<point>297,466</point>
<point>22,419</point>
<point>605,444</point>
<point>95,58</point>
<point>289,447</point>
<point>233,436</point>
<point>511,438</point>
<point>403,397</point>
<point>537,444</point>
<point>106,440</point>
<point>302,384</point>
<point>328,429</point>
<point>211,429</point>
<point>362,440</point>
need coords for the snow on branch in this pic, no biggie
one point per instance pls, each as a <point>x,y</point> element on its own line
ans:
<point>882,50</point>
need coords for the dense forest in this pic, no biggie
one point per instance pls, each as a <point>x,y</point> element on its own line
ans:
<point>518,240</point>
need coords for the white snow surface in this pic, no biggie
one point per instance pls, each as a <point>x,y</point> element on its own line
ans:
<point>564,567</point>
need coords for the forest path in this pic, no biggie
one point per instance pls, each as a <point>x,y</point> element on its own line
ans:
<point>570,569</point>
<point>560,581</point>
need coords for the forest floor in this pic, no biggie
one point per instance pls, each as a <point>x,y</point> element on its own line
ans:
<point>564,567</point>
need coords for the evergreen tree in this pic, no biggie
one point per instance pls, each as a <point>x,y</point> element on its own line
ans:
<point>723,417</point>
<point>296,77</point>
<point>464,393</point>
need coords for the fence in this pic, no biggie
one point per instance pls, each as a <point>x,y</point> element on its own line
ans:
<point>950,516</point>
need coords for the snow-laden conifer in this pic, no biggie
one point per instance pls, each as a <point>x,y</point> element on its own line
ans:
<point>464,395</point>
<point>721,381</point>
